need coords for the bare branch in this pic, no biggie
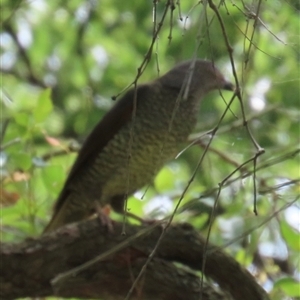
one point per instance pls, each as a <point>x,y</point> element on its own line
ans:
<point>31,266</point>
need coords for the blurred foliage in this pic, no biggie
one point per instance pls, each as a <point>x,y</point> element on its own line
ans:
<point>62,61</point>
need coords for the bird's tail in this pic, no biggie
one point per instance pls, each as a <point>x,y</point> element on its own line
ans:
<point>65,214</point>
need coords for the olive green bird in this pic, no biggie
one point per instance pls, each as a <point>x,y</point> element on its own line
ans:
<point>144,130</point>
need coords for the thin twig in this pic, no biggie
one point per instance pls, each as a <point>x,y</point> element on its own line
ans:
<point>147,58</point>
<point>265,221</point>
<point>23,54</point>
<point>260,167</point>
<point>140,71</point>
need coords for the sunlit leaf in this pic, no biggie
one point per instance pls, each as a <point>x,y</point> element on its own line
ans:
<point>44,106</point>
<point>289,285</point>
<point>22,160</point>
<point>53,177</point>
<point>291,236</point>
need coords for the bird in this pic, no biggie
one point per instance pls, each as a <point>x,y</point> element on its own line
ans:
<point>142,132</point>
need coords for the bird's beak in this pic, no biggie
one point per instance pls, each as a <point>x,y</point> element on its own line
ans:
<point>228,86</point>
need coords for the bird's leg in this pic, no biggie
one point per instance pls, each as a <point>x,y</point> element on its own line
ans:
<point>103,216</point>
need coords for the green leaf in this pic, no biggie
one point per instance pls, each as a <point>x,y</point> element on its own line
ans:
<point>243,257</point>
<point>21,160</point>
<point>22,119</point>
<point>291,236</point>
<point>53,177</point>
<point>44,106</point>
<point>289,286</point>
<point>200,220</point>
<point>164,180</point>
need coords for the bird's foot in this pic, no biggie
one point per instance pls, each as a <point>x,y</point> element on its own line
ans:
<point>103,216</point>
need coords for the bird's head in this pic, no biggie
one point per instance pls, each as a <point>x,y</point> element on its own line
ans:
<point>195,78</point>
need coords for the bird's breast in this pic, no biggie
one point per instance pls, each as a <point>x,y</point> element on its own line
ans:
<point>139,150</point>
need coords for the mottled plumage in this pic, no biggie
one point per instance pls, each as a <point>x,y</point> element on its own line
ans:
<point>124,153</point>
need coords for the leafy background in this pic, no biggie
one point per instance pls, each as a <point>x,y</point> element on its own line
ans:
<point>61,63</point>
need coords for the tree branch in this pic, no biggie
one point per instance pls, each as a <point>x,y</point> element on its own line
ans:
<point>28,269</point>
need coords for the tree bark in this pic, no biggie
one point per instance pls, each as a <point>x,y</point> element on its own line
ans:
<point>37,267</point>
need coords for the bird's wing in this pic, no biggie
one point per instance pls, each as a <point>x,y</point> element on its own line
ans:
<point>103,132</point>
